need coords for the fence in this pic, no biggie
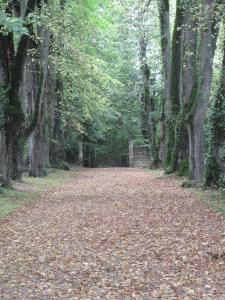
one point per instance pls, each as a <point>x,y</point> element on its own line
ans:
<point>139,155</point>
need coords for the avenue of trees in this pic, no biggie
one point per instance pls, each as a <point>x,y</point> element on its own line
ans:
<point>94,74</point>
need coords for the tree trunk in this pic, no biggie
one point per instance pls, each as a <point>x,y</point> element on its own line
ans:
<point>12,62</point>
<point>198,107</point>
<point>6,65</point>
<point>18,166</point>
<point>38,148</point>
<point>148,102</point>
<point>57,154</point>
<point>164,16</point>
<point>39,138</point>
<point>189,81</point>
<point>6,160</point>
<point>215,167</point>
<point>175,128</point>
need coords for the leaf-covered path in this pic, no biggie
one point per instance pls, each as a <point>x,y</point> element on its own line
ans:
<point>114,234</point>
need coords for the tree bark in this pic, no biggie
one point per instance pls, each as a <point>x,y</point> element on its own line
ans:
<point>6,159</point>
<point>189,70</point>
<point>17,164</point>
<point>198,106</point>
<point>57,153</point>
<point>148,102</point>
<point>13,63</point>
<point>39,147</point>
<point>215,166</point>
<point>175,128</point>
<point>39,150</point>
<point>164,16</point>
<point>17,125</point>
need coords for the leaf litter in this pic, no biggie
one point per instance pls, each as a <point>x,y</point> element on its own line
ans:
<point>114,234</point>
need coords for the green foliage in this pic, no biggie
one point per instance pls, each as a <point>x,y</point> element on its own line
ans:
<point>213,198</point>
<point>12,24</point>
<point>11,199</point>
<point>212,173</point>
<point>183,169</point>
<point>101,81</point>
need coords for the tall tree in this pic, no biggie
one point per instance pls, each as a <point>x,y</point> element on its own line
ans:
<point>17,126</point>
<point>215,166</point>
<point>175,128</point>
<point>146,95</point>
<point>39,141</point>
<point>164,16</point>
<point>209,28</point>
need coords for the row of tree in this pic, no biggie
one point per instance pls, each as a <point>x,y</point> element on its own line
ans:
<point>191,72</point>
<point>64,79</point>
<point>189,140</point>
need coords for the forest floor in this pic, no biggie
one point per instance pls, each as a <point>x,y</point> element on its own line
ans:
<point>113,234</point>
<point>29,190</point>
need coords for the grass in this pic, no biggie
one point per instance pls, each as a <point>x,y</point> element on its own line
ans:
<point>11,199</point>
<point>214,199</point>
<point>29,190</point>
<point>55,178</point>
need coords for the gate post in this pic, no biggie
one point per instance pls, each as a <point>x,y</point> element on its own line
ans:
<point>131,154</point>
<point>80,155</point>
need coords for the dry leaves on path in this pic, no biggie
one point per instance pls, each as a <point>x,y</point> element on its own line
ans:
<point>114,234</point>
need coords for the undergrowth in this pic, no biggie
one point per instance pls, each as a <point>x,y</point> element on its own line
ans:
<point>214,199</point>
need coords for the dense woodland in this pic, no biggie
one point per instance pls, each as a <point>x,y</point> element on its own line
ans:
<point>91,75</point>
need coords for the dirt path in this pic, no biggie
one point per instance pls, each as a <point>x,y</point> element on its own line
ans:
<point>114,234</point>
